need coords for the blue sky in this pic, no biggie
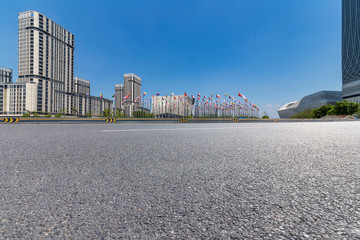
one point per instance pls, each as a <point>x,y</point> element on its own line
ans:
<point>272,51</point>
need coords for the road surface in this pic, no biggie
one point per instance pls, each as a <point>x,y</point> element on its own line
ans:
<point>180,181</point>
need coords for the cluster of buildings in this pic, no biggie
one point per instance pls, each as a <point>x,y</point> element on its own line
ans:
<point>128,96</point>
<point>46,82</point>
<point>350,67</point>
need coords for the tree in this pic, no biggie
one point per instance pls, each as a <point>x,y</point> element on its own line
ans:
<point>353,108</point>
<point>107,113</point>
<point>321,111</point>
<point>346,108</point>
<point>73,111</point>
<point>119,114</point>
<point>62,112</point>
<point>265,117</point>
<point>88,114</point>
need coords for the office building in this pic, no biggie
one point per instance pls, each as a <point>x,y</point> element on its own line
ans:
<point>351,50</point>
<point>119,96</point>
<point>311,101</point>
<point>5,75</point>
<point>132,88</point>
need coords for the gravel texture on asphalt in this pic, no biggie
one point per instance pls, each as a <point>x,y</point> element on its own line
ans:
<point>180,181</point>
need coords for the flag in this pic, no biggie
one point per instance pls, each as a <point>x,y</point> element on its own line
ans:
<point>239,94</point>
<point>113,96</point>
<point>172,94</point>
<point>144,93</point>
<point>218,96</point>
<point>157,94</point>
<point>199,95</point>
<point>185,94</point>
<point>101,95</point>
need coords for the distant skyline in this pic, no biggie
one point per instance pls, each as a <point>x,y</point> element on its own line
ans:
<point>273,52</point>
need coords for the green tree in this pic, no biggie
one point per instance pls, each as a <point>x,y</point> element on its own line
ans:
<point>341,108</point>
<point>73,111</point>
<point>62,112</point>
<point>322,111</point>
<point>265,117</point>
<point>353,108</point>
<point>107,113</point>
<point>119,114</point>
<point>346,108</point>
<point>88,114</point>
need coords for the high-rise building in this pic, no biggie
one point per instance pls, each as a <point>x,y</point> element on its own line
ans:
<point>5,75</point>
<point>351,50</point>
<point>46,57</point>
<point>132,86</point>
<point>46,73</point>
<point>119,95</point>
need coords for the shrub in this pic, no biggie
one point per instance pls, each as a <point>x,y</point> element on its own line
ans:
<point>26,115</point>
<point>305,114</point>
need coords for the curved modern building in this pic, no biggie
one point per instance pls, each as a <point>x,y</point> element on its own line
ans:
<point>351,50</point>
<point>311,101</point>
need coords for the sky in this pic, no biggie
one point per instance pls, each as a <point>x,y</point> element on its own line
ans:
<point>272,51</point>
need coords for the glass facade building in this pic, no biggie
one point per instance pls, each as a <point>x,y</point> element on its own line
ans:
<point>351,50</point>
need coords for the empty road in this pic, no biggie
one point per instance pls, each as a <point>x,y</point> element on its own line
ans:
<point>180,181</point>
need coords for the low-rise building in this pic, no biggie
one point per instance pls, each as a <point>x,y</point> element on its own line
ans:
<point>311,101</point>
<point>18,98</point>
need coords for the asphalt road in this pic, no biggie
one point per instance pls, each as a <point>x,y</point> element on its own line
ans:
<point>180,181</point>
